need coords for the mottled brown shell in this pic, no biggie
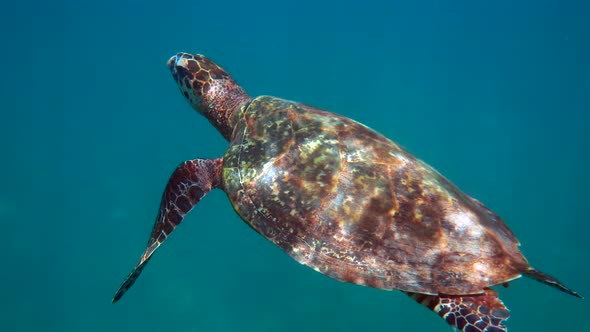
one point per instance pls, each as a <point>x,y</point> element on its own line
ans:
<point>349,203</point>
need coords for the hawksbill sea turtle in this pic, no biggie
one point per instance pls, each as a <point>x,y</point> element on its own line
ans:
<point>344,200</point>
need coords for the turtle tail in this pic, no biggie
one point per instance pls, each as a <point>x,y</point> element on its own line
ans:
<point>549,280</point>
<point>468,313</point>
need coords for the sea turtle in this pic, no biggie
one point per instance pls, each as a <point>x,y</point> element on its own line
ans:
<point>344,200</point>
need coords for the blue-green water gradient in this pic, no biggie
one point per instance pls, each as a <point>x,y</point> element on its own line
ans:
<point>494,94</point>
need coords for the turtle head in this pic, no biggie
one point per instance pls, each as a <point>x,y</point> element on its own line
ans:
<point>209,89</point>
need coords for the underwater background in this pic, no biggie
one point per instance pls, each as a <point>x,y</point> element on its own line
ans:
<point>493,94</point>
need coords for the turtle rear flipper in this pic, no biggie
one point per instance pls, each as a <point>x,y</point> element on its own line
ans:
<point>190,182</point>
<point>549,280</point>
<point>469,313</point>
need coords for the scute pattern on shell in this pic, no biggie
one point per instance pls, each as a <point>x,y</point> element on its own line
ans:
<point>357,207</point>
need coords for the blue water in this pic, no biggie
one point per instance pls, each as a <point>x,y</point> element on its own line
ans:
<point>495,95</point>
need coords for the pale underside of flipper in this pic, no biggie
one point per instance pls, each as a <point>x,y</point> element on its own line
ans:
<point>190,182</point>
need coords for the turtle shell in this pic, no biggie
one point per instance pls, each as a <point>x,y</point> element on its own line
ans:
<point>353,205</point>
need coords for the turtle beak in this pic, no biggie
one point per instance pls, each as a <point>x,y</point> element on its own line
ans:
<point>172,63</point>
<point>177,66</point>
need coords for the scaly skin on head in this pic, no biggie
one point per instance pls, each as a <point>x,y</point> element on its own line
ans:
<point>209,89</point>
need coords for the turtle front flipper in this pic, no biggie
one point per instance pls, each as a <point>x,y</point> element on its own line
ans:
<point>469,313</point>
<point>190,182</point>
